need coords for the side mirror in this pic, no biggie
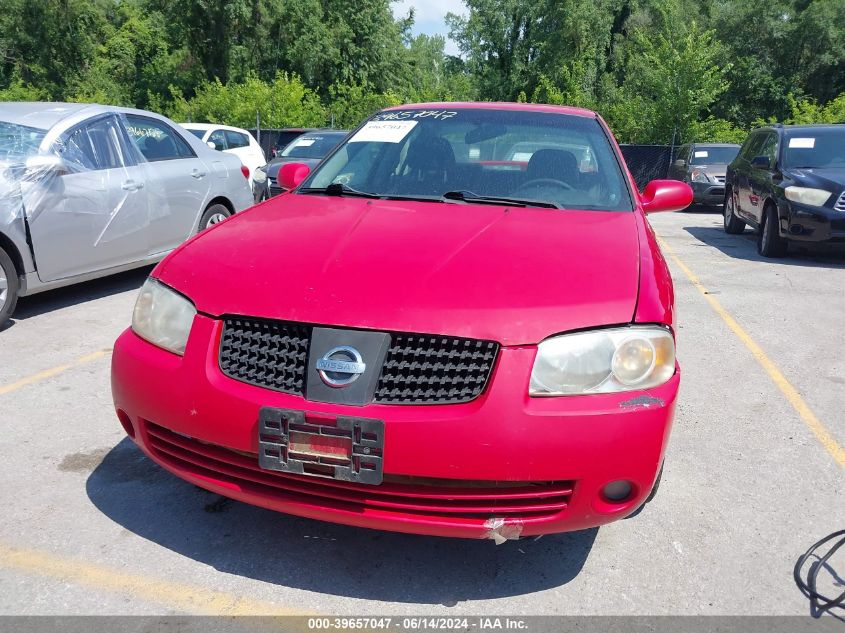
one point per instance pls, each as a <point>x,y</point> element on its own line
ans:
<point>761,162</point>
<point>211,144</point>
<point>666,195</point>
<point>680,163</point>
<point>42,164</point>
<point>292,174</point>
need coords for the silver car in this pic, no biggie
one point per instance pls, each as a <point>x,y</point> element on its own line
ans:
<point>703,167</point>
<point>89,190</point>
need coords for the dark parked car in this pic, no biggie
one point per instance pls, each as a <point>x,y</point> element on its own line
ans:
<point>308,148</point>
<point>286,136</point>
<point>703,167</point>
<point>788,182</point>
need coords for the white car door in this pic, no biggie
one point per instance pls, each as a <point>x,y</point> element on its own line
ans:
<point>92,215</point>
<point>178,181</point>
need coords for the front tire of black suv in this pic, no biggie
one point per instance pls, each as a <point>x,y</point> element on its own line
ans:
<point>769,241</point>
<point>733,224</point>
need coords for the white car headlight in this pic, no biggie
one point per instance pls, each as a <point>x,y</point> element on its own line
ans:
<point>807,195</point>
<point>163,317</point>
<point>699,175</point>
<point>603,361</point>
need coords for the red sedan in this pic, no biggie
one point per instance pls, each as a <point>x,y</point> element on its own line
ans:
<point>432,333</point>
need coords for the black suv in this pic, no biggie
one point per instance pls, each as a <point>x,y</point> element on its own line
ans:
<point>788,182</point>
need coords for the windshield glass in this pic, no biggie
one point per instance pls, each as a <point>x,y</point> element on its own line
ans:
<point>312,145</point>
<point>815,148</point>
<point>564,160</point>
<point>703,155</point>
<point>198,133</point>
<point>19,141</point>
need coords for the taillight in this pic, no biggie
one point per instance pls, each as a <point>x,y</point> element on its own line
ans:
<point>245,171</point>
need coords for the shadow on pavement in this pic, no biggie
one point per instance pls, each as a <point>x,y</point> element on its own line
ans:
<point>744,246</point>
<point>51,300</point>
<point>240,539</point>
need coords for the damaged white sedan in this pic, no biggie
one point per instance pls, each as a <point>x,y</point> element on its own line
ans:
<point>88,191</point>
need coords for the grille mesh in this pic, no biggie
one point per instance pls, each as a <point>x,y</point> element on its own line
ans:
<point>270,354</point>
<point>418,369</point>
<point>423,369</point>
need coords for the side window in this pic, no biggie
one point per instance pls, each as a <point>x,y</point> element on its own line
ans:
<point>156,140</point>
<point>236,139</point>
<point>749,148</point>
<point>219,139</point>
<point>94,145</point>
<point>769,148</point>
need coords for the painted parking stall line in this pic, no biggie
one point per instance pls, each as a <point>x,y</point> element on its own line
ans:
<point>53,371</point>
<point>804,411</point>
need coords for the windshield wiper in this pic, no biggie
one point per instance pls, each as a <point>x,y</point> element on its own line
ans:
<point>469,196</point>
<point>340,189</point>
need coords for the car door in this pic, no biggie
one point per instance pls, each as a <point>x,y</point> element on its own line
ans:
<point>93,214</point>
<point>678,169</point>
<point>178,181</point>
<point>760,178</point>
<point>742,173</point>
<point>239,145</point>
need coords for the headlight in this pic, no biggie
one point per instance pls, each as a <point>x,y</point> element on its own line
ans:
<point>699,175</point>
<point>806,195</point>
<point>163,317</point>
<point>260,174</point>
<point>603,361</point>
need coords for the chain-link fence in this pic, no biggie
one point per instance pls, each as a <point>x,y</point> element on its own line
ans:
<point>647,162</point>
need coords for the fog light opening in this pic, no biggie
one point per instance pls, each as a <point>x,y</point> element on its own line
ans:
<point>617,491</point>
<point>796,229</point>
<point>126,423</point>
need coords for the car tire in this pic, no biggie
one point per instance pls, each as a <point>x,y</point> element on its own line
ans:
<point>213,214</point>
<point>9,287</point>
<point>769,241</point>
<point>733,224</point>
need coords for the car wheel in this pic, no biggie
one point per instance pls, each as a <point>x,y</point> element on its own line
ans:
<point>769,241</point>
<point>9,286</point>
<point>733,224</point>
<point>213,214</point>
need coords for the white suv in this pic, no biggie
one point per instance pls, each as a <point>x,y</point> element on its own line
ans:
<point>232,140</point>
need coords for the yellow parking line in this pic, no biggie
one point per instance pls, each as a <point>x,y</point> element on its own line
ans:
<point>191,599</point>
<point>791,393</point>
<point>53,371</point>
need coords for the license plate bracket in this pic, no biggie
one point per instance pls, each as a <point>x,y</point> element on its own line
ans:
<point>350,450</point>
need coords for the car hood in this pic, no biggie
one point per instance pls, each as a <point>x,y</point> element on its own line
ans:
<point>712,170</point>
<point>831,178</point>
<point>514,275</point>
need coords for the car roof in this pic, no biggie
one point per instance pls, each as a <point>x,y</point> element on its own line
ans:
<point>212,126</point>
<point>41,115</point>
<point>496,105</point>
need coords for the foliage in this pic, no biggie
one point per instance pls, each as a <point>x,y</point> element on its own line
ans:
<point>657,70</point>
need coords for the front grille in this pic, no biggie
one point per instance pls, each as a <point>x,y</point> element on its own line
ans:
<point>418,369</point>
<point>719,179</point>
<point>839,205</point>
<point>438,499</point>
<point>271,354</point>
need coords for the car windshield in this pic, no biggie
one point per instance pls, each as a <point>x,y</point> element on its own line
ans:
<point>703,155</point>
<point>815,148</point>
<point>312,145</point>
<point>198,133</point>
<point>471,154</point>
<point>19,141</point>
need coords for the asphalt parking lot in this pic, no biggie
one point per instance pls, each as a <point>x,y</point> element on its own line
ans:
<point>755,473</point>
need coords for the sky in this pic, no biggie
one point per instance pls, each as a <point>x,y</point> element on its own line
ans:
<point>429,17</point>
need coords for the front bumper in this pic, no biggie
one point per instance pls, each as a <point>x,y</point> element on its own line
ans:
<point>804,223</point>
<point>504,464</point>
<point>707,192</point>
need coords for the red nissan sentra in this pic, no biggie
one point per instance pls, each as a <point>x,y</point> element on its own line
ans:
<point>459,324</point>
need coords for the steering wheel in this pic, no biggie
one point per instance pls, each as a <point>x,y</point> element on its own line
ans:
<point>544,182</point>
